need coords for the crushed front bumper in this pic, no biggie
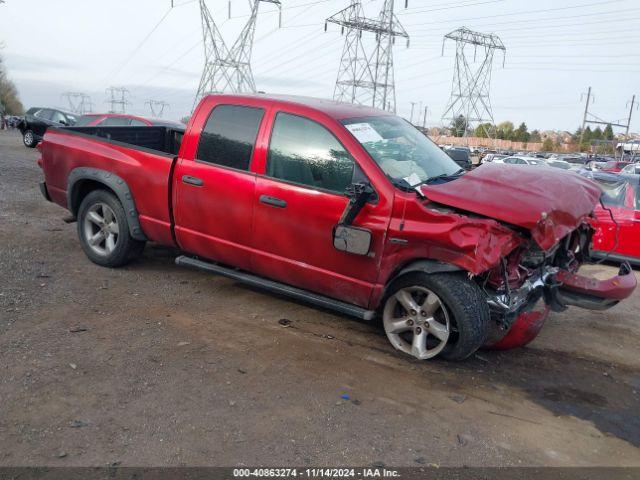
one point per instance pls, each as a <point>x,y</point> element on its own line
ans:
<point>524,315</point>
<point>585,292</point>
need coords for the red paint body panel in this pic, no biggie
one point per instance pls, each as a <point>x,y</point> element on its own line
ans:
<point>147,175</point>
<point>621,237</point>
<point>614,288</point>
<point>524,329</point>
<point>519,195</point>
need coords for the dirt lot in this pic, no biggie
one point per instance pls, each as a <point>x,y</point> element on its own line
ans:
<point>178,367</point>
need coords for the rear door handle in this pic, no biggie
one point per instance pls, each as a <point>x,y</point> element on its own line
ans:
<point>192,180</point>
<point>276,202</point>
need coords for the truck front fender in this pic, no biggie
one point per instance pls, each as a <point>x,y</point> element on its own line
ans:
<point>424,265</point>
<point>81,175</point>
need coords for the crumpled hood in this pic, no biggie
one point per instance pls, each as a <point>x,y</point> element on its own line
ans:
<point>547,201</point>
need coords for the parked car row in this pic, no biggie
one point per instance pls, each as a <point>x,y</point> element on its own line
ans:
<point>37,119</point>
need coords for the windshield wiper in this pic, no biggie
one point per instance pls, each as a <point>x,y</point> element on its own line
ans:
<point>444,176</point>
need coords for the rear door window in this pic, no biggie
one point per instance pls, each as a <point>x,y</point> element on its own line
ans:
<point>45,114</point>
<point>229,136</point>
<point>58,117</point>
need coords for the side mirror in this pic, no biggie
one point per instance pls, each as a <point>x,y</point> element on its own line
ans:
<point>359,194</point>
<point>347,238</point>
<point>62,122</point>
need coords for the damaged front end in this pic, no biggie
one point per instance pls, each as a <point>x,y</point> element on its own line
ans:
<point>531,282</point>
<point>551,214</point>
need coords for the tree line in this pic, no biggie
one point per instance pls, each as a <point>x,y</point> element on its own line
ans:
<point>9,100</point>
<point>580,140</point>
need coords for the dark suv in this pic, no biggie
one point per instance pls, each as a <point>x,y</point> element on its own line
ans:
<point>38,119</point>
<point>460,156</point>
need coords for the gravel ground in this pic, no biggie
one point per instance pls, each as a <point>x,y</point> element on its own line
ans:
<point>157,365</point>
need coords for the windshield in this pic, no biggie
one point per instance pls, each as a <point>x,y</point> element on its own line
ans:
<point>401,150</point>
<point>533,161</point>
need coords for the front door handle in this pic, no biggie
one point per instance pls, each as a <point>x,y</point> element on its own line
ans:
<point>192,180</point>
<point>276,202</point>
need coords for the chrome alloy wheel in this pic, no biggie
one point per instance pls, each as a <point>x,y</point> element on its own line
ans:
<point>101,229</point>
<point>416,322</point>
<point>28,138</point>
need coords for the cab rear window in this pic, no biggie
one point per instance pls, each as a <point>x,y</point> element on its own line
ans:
<point>229,136</point>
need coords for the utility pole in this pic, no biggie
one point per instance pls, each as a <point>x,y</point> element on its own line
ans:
<point>586,112</point>
<point>626,133</point>
<point>157,107</point>
<point>424,118</point>
<point>117,99</point>
<point>471,85</point>
<point>590,118</point>
<point>227,69</point>
<point>413,104</point>
<point>367,78</point>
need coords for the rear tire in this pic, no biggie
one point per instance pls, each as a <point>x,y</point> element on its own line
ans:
<point>104,231</point>
<point>462,310</point>
<point>29,139</point>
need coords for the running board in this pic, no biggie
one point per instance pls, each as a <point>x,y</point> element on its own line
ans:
<point>276,287</point>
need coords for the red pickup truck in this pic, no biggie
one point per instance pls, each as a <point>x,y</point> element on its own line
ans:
<point>342,206</point>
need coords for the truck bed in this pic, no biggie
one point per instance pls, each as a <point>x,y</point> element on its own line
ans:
<point>159,139</point>
<point>139,157</point>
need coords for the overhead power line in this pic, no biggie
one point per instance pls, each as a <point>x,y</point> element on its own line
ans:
<point>139,46</point>
<point>544,10</point>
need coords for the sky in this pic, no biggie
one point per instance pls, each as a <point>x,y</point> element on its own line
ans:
<point>555,50</point>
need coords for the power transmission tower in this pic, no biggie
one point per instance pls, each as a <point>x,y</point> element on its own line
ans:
<point>367,79</point>
<point>471,84</point>
<point>227,69</point>
<point>157,107</point>
<point>589,117</point>
<point>79,103</point>
<point>118,99</point>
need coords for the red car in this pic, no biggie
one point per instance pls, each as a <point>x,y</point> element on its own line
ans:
<point>122,120</point>
<point>618,238</point>
<point>614,166</point>
<point>342,206</point>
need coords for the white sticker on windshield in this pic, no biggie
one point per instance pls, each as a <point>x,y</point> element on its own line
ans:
<point>364,132</point>
<point>412,179</point>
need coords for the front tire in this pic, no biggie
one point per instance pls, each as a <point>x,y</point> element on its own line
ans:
<point>29,139</point>
<point>104,231</point>
<point>440,314</point>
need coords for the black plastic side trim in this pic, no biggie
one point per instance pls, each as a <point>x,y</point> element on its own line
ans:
<point>429,266</point>
<point>44,191</point>
<point>589,302</point>
<point>115,183</point>
<point>615,257</point>
<point>277,287</point>
<point>273,201</point>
